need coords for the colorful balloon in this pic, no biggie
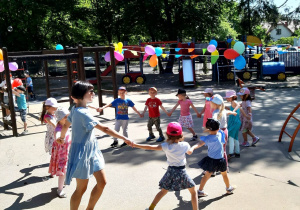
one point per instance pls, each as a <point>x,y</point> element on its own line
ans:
<point>13,66</point>
<point>16,83</point>
<point>119,56</point>
<point>239,62</point>
<point>231,54</point>
<point>1,55</point>
<point>59,47</point>
<point>149,50</point>
<point>153,61</point>
<point>120,46</point>
<point>107,57</point>
<point>145,57</point>
<point>229,41</point>
<point>239,47</point>
<point>158,51</point>
<point>213,42</point>
<point>211,48</point>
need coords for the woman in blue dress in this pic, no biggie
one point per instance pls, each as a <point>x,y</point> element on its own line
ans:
<point>85,157</point>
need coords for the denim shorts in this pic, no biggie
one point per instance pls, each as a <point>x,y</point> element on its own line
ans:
<point>23,113</point>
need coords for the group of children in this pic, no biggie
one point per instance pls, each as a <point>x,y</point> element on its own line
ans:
<point>84,158</point>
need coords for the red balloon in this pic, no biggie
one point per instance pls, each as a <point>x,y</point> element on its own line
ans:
<point>231,54</point>
<point>17,82</point>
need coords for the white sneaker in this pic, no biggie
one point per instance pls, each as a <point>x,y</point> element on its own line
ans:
<point>24,132</point>
<point>61,193</point>
<point>7,118</point>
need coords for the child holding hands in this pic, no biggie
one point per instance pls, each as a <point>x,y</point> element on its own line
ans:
<point>153,104</point>
<point>22,105</point>
<point>121,104</point>
<point>60,151</point>
<point>185,119</point>
<point>85,157</point>
<point>176,178</point>
<point>215,160</point>
<point>208,93</point>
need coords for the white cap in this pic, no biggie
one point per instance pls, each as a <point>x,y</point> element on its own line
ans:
<point>208,90</point>
<point>217,99</point>
<point>61,113</point>
<point>51,102</point>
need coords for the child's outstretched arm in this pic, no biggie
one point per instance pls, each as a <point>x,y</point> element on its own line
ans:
<point>231,113</point>
<point>112,133</point>
<point>100,109</point>
<point>147,146</point>
<point>137,111</point>
<point>15,93</point>
<point>202,111</point>
<point>163,108</point>
<point>145,109</point>
<point>194,108</point>
<point>237,106</point>
<point>196,146</point>
<point>61,139</point>
<point>170,113</point>
<point>245,115</point>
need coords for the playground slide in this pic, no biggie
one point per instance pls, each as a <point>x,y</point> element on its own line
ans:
<point>106,71</point>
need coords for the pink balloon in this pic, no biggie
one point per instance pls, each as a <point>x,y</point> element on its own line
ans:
<point>13,66</point>
<point>107,57</point>
<point>150,50</point>
<point>119,56</point>
<point>1,66</point>
<point>211,48</point>
<point>145,57</point>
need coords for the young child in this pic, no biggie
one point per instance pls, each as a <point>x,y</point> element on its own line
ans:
<point>122,118</point>
<point>5,98</point>
<point>220,114</point>
<point>60,151</point>
<point>215,160</point>
<point>246,117</point>
<point>208,93</point>
<point>234,124</point>
<point>48,117</point>
<point>185,119</point>
<point>153,105</point>
<point>176,178</point>
<point>29,85</point>
<point>85,157</point>
<point>21,105</point>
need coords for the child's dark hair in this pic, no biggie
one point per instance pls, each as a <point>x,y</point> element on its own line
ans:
<point>184,94</point>
<point>212,124</point>
<point>43,113</point>
<point>246,97</point>
<point>173,139</point>
<point>234,98</point>
<point>80,88</point>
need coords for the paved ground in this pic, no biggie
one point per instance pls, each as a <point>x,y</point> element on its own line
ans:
<point>267,175</point>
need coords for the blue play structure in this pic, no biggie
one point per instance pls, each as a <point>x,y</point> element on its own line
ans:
<point>274,69</point>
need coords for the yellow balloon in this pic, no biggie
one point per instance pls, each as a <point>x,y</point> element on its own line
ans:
<point>116,47</point>
<point>216,52</point>
<point>120,45</point>
<point>1,55</point>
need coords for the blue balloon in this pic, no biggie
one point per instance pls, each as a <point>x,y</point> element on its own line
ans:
<point>229,41</point>
<point>213,42</point>
<point>59,47</point>
<point>158,51</point>
<point>239,62</point>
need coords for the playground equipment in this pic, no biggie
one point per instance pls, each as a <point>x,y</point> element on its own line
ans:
<point>68,54</point>
<point>274,69</point>
<point>291,115</point>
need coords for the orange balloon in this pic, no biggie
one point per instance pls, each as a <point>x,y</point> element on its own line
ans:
<point>153,61</point>
<point>1,55</point>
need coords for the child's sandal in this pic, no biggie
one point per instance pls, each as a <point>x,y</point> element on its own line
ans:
<point>201,194</point>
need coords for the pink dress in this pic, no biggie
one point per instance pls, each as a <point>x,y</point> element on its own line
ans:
<point>59,155</point>
<point>207,113</point>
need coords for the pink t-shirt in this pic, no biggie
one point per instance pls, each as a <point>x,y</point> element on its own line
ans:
<point>185,107</point>
<point>207,112</point>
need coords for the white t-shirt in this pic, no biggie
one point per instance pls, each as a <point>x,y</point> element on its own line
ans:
<point>3,84</point>
<point>223,120</point>
<point>176,153</point>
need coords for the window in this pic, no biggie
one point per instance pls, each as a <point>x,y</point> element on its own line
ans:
<point>278,31</point>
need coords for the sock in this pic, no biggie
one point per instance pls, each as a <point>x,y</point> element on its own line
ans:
<point>152,206</point>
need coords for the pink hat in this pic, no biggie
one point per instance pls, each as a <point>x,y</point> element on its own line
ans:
<point>174,129</point>
<point>230,93</point>
<point>243,91</point>
<point>208,90</point>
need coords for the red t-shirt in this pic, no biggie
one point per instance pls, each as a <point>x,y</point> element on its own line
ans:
<point>153,106</point>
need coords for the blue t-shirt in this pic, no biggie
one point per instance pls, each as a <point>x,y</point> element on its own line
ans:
<point>215,144</point>
<point>122,108</point>
<point>28,81</point>
<point>21,101</point>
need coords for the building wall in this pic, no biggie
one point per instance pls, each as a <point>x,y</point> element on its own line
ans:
<point>284,32</point>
